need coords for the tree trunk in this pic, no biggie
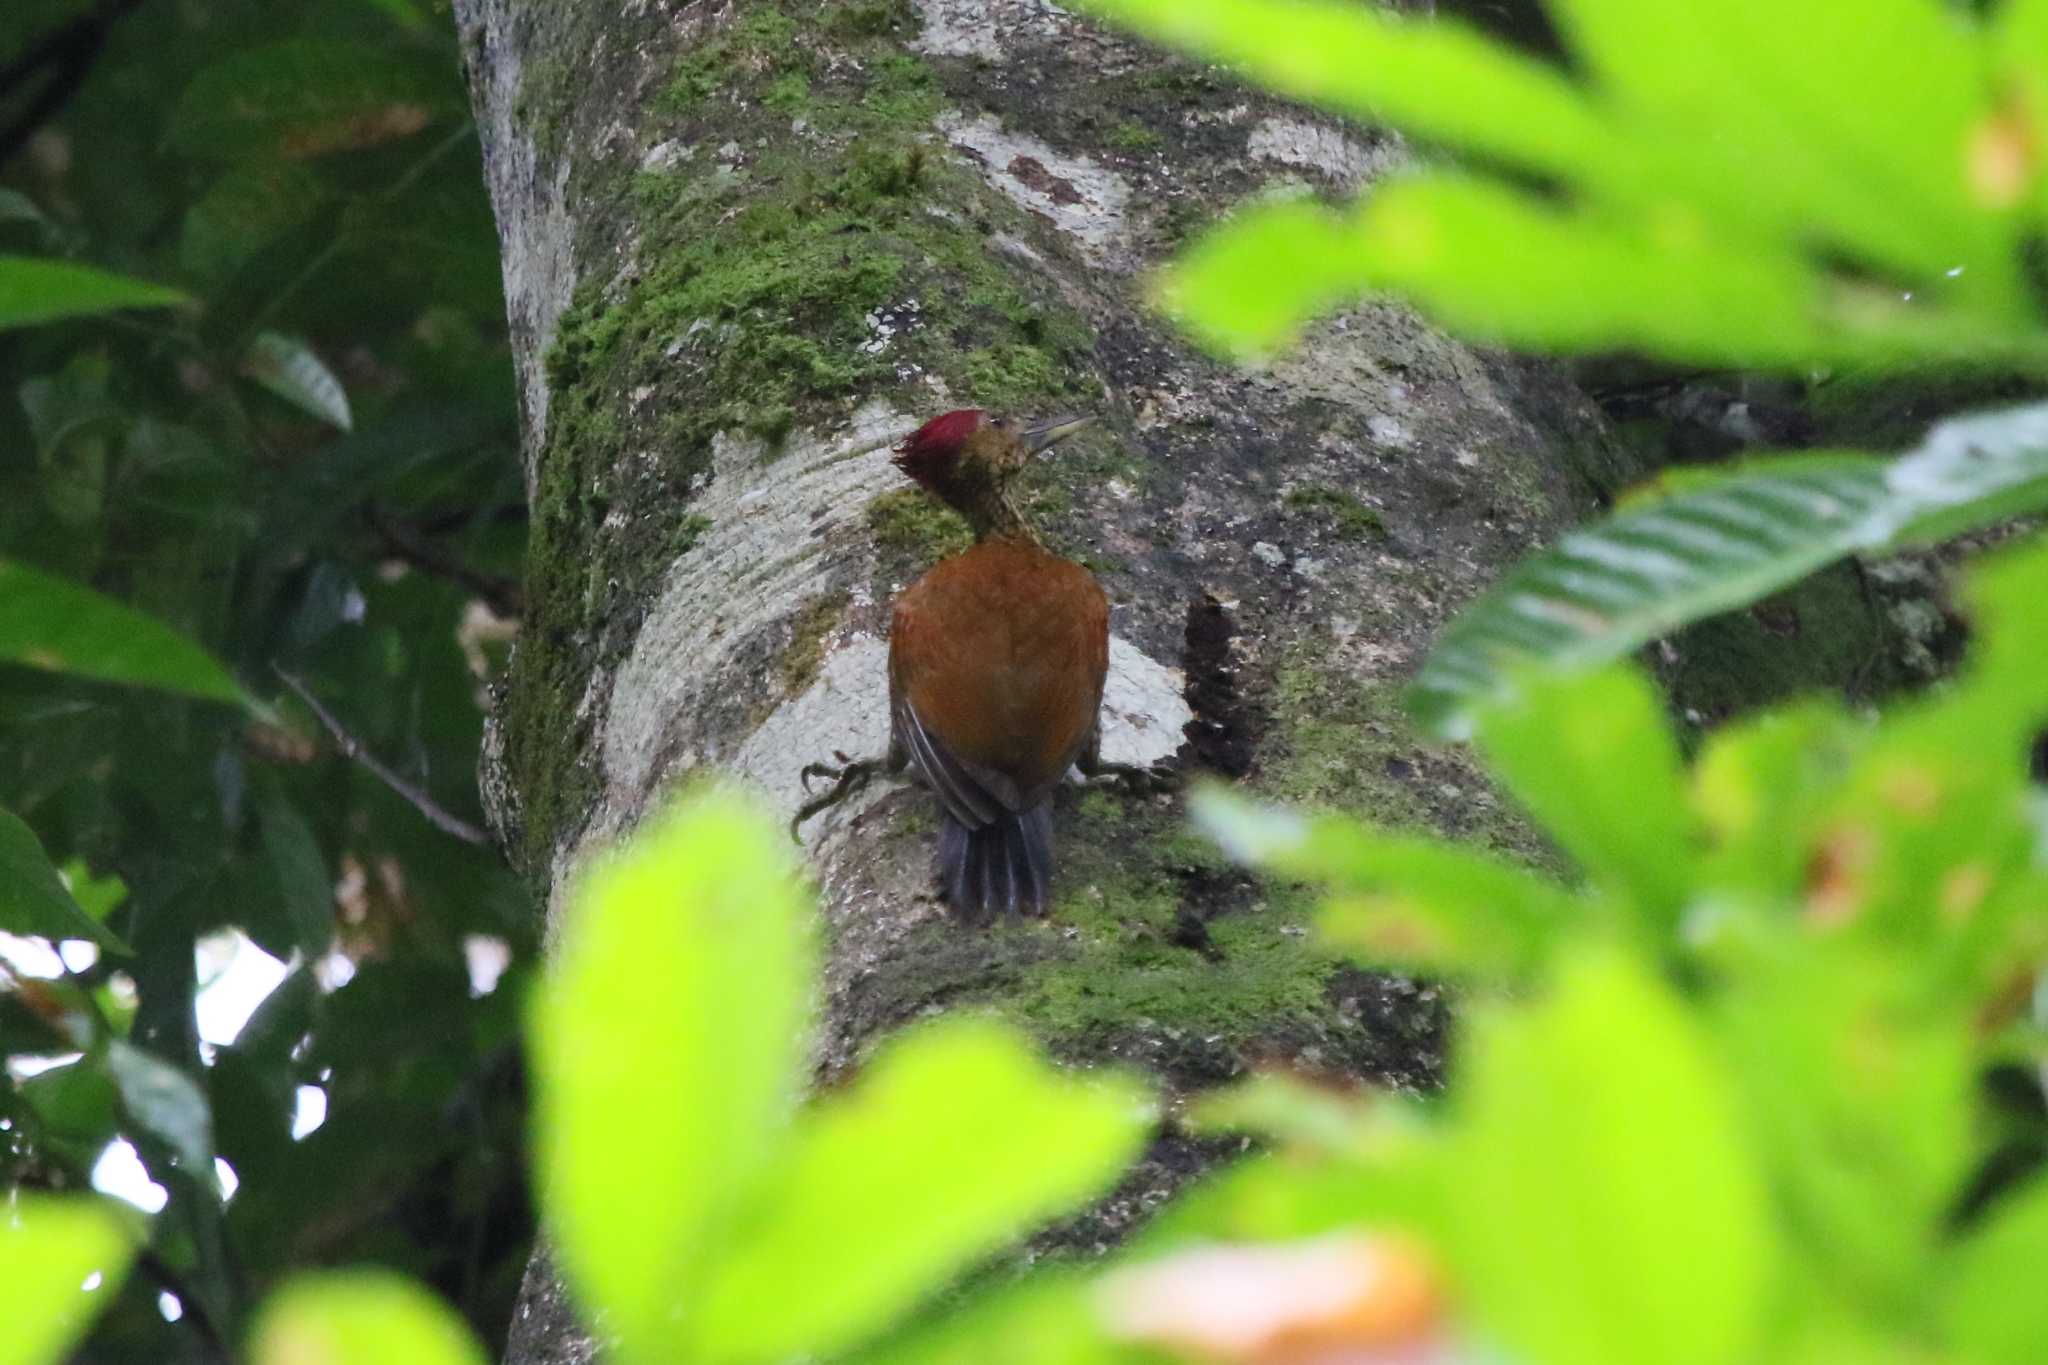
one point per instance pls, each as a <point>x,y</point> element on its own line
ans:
<point>745,250</point>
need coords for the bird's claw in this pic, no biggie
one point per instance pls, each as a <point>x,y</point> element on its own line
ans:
<point>812,770</point>
<point>1151,780</point>
<point>1159,778</point>
<point>847,779</point>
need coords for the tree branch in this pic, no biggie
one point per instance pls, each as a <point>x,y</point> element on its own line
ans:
<point>69,52</point>
<point>353,748</point>
<point>502,594</point>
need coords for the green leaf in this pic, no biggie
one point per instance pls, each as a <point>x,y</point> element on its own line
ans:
<point>1605,590</point>
<point>1378,67</point>
<point>1593,759</point>
<point>16,207</point>
<point>956,1140</point>
<point>97,896</point>
<point>350,1316</point>
<point>290,369</point>
<point>302,877</point>
<point>1969,472</point>
<point>1397,898</point>
<point>669,1045</point>
<point>302,98</point>
<point>1995,1310</point>
<point>250,206</point>
<point>32,896</point>
<point>1610,588</point>
<point>52,624</point>
<point>33,290</point>
<point>75,1105</point>
<point>1609,1213</point>
<point>166,1103</point>
<point>50,1249</point>
<point>72,416</point>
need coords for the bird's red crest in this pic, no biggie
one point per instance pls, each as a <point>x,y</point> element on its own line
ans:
<point>928,450</point>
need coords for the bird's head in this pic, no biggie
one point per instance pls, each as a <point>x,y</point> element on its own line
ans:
<point>968,459</point>
<point>969,449</point>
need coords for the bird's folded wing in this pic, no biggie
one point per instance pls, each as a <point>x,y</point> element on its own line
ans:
<point>971,793</point>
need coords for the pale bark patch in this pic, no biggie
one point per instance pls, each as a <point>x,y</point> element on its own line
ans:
<point>988,29</point>
<point>771,542</point>
<point>1319,147</point>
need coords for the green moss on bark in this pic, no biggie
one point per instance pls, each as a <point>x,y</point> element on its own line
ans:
<point>915,527</point>
<point>1825,634</point>
<point>1345,514</point>
<point>801,658</point>
<point>1341,744</point>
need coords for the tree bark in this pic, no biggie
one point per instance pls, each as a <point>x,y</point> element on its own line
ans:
<point>745,250</point>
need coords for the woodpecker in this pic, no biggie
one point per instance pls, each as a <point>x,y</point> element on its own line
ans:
<point>997,657</point>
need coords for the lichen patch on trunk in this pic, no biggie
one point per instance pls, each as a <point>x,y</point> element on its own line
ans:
<point>1076,195</point>
<point>1348,161</point>
<point>986,29</point>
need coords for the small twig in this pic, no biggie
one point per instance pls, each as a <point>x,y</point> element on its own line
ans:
<point>352,747</point>
<point>502,594</point>
<point>461,518</point>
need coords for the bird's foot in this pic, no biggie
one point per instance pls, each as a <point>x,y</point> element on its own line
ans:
<point>1134,780</point>
<point>847,778</point>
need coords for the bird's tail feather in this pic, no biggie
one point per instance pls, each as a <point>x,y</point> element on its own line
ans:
<point>1005,865</point>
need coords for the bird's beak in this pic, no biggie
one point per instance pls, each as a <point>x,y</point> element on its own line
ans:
<point>1044,435</point>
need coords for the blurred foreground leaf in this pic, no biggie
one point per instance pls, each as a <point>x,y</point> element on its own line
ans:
<point>668,1048</point>
<point>1287,1108</point>
<point>1724,184</point>
<point>1376,66</point>
<point>1401,899</point>
<point>1996,1310</point>
<point>957,1138</point>
<point>357,1317</point>
<point>61,1261</point>
<point>1862,1100</point>
<point>1593,759</point>
<point>1341,1297</point>
<point>1609,1212</point>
